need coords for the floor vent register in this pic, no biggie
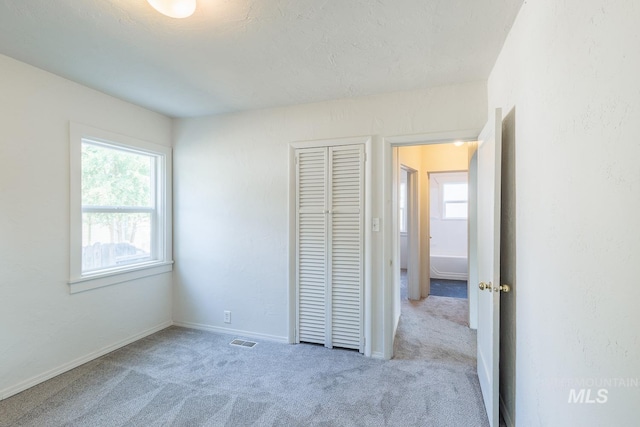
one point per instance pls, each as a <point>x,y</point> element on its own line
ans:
<point>242,343</point>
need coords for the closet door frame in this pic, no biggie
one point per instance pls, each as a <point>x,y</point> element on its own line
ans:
<point>367,306</point>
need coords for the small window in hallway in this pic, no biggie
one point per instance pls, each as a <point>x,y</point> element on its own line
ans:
<point>454,200</point>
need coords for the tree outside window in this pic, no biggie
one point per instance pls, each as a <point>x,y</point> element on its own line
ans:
<point>118,206</point>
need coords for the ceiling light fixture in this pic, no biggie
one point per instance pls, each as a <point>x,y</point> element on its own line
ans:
<point>174,8</point>
<point>458,143</point>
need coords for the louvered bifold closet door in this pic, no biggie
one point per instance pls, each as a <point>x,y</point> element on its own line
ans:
<point>311,242</point>
<point>346,217</point>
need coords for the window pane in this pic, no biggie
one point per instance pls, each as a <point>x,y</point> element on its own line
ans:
<point>112,177</point>
<point>455,210</point>
<point>403,220</point>
<point>403,207</point>
<point>115,239</point>
<point>455,192</point>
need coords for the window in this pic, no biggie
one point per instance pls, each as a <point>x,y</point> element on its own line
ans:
<point>455,200</point>
<point>120,214</point>
<point>118,206</point>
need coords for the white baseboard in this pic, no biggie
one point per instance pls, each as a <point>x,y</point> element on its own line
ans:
<point>377,355</point>
<point>505,414</point>
<point>229,331</point>
<point>449,267</point>
<point>448,275</point>
<point>15,389</point>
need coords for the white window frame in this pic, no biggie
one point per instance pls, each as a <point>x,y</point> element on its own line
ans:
<point>162,250</point>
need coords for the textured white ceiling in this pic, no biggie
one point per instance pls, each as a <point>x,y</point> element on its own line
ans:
<point>236,55</point>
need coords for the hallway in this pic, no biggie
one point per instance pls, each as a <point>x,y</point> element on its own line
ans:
<point>435,329</point>
<point>433,335</point>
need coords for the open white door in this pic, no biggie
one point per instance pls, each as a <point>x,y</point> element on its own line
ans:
<point>489,170</point>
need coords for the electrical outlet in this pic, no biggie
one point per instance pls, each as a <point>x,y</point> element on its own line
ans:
<point>227,316</point>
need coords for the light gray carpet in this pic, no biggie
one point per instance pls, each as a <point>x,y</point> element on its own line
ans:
<point>182,377</point>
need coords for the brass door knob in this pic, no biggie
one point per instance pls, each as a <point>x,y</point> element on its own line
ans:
<point>503,288</point>
<point>484,286</point>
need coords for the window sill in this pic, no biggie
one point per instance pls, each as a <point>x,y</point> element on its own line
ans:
<point>109,278</point>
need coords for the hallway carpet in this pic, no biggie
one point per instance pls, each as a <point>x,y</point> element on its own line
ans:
<point>184,377</point>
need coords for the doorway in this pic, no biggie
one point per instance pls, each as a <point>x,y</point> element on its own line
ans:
<point>448,232</point>
<point>432,220</point>
<point>428,176</point>
<point>508,247</point>
<point>390,195</point>
<point>391,252</point>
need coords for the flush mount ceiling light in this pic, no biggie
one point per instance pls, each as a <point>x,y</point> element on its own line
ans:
<point>174,8</point>
<point>458,143</point>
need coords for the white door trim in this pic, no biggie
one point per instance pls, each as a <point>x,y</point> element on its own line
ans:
<point>368,268</point>
<point>390,233</point>
<point>413,233</point>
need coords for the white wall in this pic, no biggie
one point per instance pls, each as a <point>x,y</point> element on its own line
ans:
<point>44,329</point>
<point>571,70</point>
<point>231,203</point>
